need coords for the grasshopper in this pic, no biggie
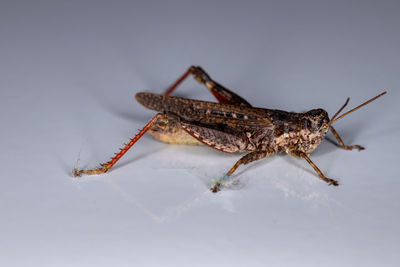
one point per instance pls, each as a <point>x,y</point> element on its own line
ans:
<point>233,126</point>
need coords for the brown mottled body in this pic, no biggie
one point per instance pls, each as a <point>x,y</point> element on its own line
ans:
<point>245,129</point>
<point>233,129</point>
<point>233,126</point>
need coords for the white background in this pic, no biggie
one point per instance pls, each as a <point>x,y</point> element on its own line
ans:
<point>68,75</point>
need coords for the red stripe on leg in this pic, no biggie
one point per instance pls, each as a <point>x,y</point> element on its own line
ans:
<point>123,150</point>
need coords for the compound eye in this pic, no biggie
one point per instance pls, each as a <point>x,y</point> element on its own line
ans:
<point>309,124</point>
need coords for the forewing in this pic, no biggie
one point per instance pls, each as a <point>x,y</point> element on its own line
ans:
<point>213,115</point>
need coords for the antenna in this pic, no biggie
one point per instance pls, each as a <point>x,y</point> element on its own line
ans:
<point>334,119</point>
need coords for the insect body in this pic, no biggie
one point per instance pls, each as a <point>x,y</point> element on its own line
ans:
<point>233,126</point>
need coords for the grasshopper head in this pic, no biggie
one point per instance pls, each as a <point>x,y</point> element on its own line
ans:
<point>315,125</point>
<point>316,121</point>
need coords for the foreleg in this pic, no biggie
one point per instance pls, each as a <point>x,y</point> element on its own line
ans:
<point>341,144</point>
<point>301,154</point>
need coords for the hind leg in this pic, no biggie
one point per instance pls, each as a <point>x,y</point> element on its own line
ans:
<point>104,167</point>
<point>168,131</point>
<point>222,94</point>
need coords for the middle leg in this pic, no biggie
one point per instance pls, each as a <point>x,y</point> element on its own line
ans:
<point>252,156</point>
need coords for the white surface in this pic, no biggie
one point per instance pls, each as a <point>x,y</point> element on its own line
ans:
<point>69,71</point>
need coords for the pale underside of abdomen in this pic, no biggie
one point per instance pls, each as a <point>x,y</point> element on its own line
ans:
<point>172,133</point>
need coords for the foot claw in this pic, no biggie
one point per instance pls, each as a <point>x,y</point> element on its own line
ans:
<point>354,147</point>
<point>359,147</point>
<point>76,173</point>
<point>332,182</point>
<point>220,182</point>
<point>215,188</point>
